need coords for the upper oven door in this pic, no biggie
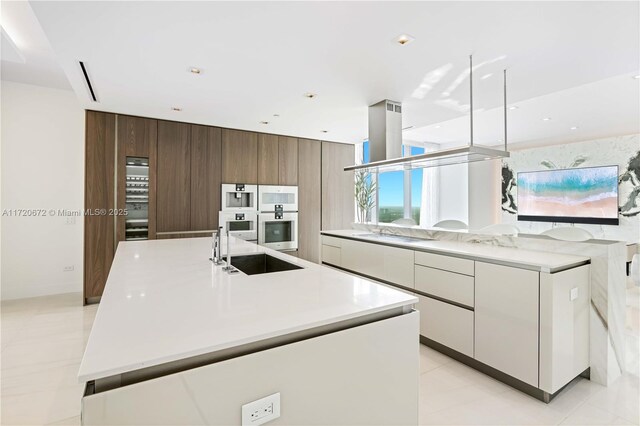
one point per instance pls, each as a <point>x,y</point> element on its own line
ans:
<point>278,231</point>
<point>239,197</point>
<point>270,197</point>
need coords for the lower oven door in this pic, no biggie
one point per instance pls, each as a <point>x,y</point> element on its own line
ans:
<point>243,224</point>
<point>278,233</point>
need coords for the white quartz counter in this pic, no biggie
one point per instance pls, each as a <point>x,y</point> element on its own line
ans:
<point>526,259</point>
<point>165,301</point>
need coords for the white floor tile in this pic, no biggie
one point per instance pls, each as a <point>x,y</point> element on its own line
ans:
<point>43,339</point>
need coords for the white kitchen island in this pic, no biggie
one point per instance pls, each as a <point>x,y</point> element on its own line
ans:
<point>521,316</point>
<point>177,340</point>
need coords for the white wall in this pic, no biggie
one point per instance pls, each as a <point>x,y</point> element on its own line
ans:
<point>42,168</point>
<point>453,200</point>
<point>484,193</point>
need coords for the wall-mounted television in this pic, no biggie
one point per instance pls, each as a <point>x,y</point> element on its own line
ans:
<point>581,195</point>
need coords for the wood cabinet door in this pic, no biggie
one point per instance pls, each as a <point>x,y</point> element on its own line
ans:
<point>174,177</point>
<point>309,200</point>
<point>99,241</point>
<point>338,201</point>
<point>137,137</point>
<point>239,157</point>
<point>288,161</point>
<point>507,316</point>
<point>268,162</point>
<point>206,150</point>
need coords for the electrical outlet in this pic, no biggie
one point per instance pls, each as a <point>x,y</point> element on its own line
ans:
<point>68,268</point>
<point>261,411</point>
<point>70,220</point>
<point>573,294</point>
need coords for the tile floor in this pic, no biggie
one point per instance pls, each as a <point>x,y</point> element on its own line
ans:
<point>42,342</point>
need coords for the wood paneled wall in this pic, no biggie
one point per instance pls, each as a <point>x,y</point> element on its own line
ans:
<point>338,200</point>
<point>174,177</point>
<point>187,165</point>
<point>99,230</point>
<point>309,199</point>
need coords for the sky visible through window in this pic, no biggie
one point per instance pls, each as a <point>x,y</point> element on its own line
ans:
<point>391,189</point>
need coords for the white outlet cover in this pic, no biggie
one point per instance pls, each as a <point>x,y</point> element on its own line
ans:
<point>574,294</point>
<point>261,411</point>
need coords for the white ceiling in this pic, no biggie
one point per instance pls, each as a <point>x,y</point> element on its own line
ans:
<point>572,61</point>
<point>26,54</point>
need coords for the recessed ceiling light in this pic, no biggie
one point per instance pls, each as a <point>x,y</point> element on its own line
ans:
<point>324,131</point>
<point>486,76</point>
<point>546,119</point>
<point>176,109</point>
<point>310,95</point>
<point>512,107</point>
<point>264,122</point>
<point>194,70</point>
<point>636,76</point>
<point>404,39</point>
<point>574,128</point>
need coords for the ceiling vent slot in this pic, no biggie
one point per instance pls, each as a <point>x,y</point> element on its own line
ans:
<point>86,79</point>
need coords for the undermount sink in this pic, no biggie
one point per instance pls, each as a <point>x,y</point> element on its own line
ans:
<point>262,263</point>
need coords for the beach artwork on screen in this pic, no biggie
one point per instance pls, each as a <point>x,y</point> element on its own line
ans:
<point>560,195</point>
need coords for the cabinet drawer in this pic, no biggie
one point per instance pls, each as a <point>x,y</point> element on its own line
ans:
<point>331,255</point>
<point>447,263</point>
<point>331,241</point>
<point>447,285</point>
<point>447,324</point>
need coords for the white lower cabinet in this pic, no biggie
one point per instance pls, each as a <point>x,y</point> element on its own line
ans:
<point>391,264</point>
<point>444,284</point>
<point>331,255</point>
<point>506,320</point>
<point>447,324</point>
<point>530,325</point>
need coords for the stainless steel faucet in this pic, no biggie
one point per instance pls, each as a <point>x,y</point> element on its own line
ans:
<point>215,247</point>
<point>229,268</point>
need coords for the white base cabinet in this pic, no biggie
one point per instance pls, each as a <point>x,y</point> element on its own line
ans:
<point>364,375</point>
<point>564,327</point>
<point>533,326</point>
<point>447,324</point>
<point>506,309</point>
<point>391,264</point>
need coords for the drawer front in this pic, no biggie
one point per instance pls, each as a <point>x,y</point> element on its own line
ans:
<point>331,255</point>
<point>331,241</point>
<point>398,266</point>
<point>447,324</point>
<point>447,263</point>
<point>447,285</point>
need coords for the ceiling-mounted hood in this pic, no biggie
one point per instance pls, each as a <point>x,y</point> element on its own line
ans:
<point>385,140</point>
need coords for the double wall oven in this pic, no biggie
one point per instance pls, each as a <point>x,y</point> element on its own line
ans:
<point>278,217</point>
<point>267,214</point>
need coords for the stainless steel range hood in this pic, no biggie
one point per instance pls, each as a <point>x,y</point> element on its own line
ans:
<point>385,140</point>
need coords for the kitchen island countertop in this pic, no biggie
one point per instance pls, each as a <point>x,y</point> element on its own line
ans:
<point>165,301</point>
<point>483,252</point>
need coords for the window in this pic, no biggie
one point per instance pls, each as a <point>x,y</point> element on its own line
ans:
<point>390,196</point>
<point>392,187</point>
<point>416,186</point>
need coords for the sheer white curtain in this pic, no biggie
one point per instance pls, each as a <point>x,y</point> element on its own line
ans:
<point>430,191</point>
